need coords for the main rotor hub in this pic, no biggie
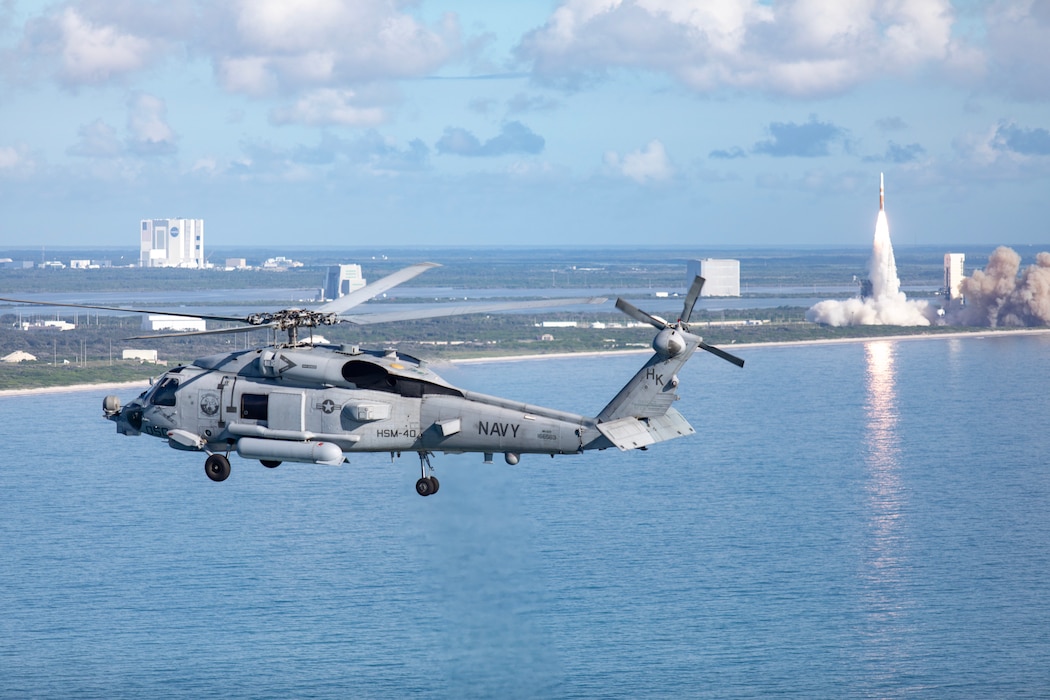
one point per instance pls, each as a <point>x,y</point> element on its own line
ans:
<point>293,318</point>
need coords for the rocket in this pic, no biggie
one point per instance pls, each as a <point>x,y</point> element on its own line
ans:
<point>882,197</point>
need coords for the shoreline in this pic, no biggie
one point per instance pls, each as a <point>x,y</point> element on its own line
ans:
<point>785,343</point>
<point>117,386</point>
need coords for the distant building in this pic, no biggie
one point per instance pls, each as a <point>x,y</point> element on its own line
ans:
<point>171,243</point>
<point>47,325</point>
<point>280,263</point>
<point>722,276</point>
<point>140,355</point>
<point>9,264</point>
<point>236,263</point>
<point>164,322</point>
<point>340,280</point>
<point>954,271</point>
<point>18,356</point>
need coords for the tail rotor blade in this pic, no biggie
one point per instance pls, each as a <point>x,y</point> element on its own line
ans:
<point>728,357</point>
<point>691,297</point>
<point>639,315</point>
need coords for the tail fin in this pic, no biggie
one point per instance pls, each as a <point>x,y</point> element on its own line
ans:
<point>641,413</point>
<point>651,390</point>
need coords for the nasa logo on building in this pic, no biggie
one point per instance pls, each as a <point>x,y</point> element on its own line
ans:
<point>174,231</point>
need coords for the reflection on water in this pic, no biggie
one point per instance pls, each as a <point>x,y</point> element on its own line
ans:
<point>883,558</point>
<point>882,457</point>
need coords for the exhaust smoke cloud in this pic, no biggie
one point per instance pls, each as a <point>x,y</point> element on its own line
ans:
<point>996,296</point>
<point>887,305</point>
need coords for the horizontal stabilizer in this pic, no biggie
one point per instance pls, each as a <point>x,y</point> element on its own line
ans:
<point>633,433</point>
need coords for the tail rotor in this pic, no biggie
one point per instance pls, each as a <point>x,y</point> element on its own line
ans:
<point>682,324</point>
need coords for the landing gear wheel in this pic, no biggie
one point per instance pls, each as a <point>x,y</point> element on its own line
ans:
<point>217,467</point>
<point>427,485</point>
<point>270,463</point>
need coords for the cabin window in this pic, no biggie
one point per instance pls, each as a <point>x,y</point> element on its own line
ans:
<point>164,394</point>
<point>254,406</point>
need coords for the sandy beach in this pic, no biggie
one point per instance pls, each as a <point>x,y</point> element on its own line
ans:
<point>122,387</point>
<point>739,346</point>
<point>114,386</point>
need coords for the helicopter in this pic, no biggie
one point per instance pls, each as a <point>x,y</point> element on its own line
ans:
<point>296,401</point>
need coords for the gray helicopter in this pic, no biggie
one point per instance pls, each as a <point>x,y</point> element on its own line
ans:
<point>296,401</point>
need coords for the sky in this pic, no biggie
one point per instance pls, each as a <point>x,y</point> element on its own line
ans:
<point>471,122</point>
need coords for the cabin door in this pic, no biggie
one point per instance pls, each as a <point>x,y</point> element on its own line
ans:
<point>285,411</point>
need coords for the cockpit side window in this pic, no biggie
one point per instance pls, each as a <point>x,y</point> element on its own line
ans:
<point>164,394</point>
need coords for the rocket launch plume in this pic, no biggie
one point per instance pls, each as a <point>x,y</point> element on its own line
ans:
<point>996,296</point>
<point>888,305</point>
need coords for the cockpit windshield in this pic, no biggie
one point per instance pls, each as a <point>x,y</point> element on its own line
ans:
<point>164,393</point>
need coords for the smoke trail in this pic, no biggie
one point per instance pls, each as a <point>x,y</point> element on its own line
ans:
<point>888,305</point>
<point>997,297</point>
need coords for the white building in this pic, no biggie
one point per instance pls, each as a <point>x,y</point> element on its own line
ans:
<point>340,280</point>
<point>164,322</point>
<point>954,271</point>
<point>56,323</point>
<point>140,355</point>
<point>171,243</point>
<point>18,356</point>
<point>722,276</point>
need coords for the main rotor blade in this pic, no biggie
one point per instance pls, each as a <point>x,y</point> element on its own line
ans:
<point>722,353</point>
<point>123,308</point>
<point>216,331</point>
<point>639,315</point>
<point>465,309</point>
<point>370,291</point>
<point>691,297</point>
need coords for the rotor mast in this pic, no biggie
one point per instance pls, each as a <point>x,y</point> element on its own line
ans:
<point>290,320</point>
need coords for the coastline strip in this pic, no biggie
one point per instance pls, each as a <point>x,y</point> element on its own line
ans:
<point>590,353</point>
<point>736,346</point>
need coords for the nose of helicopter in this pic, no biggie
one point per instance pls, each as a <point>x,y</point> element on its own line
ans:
<point>127,418</point>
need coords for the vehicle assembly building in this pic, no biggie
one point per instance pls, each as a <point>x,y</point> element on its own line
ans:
<point>340,280</point>
<point>171,243</point>
<point>723,276</point>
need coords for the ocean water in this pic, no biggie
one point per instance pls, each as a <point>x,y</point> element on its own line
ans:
<point>855,520</point>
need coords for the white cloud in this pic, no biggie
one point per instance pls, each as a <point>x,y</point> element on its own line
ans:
<point>9,158</point>
<point>798,48</point>
<point>1019,45</point>
<point>329,106</point>
<point>148,129</point>
<point>17,162</point>
<point>93,53</point>
<point>97,140</point>
<point>645,165</point>
<point>256,47</point>
<point>250,75</point>
<point>261,46</point>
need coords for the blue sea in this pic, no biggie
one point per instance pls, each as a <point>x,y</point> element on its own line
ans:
<point>850,520</point>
